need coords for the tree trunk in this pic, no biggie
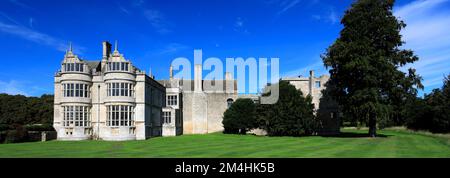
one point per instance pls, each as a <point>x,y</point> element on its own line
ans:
<point>372,125</point>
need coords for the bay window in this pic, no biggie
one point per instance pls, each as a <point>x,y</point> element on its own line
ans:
<point>120,89</point>
<point>75,90</point>
<point>118,66</point>
<point>73,67</point>
<point>120,115</point>
<point>78,116</point>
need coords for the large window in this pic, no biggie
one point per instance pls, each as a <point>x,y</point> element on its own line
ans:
<point>118,66</point>
<point>120,115</point>
<point>73,67</point>
<point>167,117</point>
<point>78,116</point>
<point>172,100</point>
<point>120,89</point>
<point>75,90</point>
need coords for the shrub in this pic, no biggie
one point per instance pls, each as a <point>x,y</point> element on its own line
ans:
<point>292,115</point>
<point>19,134</point>
<point>240,117</point>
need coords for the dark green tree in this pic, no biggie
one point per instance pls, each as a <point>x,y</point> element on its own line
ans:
<point>439,102</point>
<point>292,115</point>
<point>364,63</point>
<point>240,117</point>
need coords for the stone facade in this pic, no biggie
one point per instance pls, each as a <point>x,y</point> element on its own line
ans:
<point>310,86</point>
<point>111,99</point>
<point>108,99</point>
<point>200,107</point>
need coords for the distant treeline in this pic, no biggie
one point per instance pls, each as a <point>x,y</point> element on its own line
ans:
<point>33,113</point>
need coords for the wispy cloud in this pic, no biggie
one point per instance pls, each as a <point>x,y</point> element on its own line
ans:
<point>30,22</point>
<point>239,26</point>
<point>124,10</point>
<point>172,48</point>
<point>286,5</point>
<point>428,34</point>
<point>304,71</point>
<point>8,18</point>
<point>35,36</point>
<point>138,3</point>
<point>22,87</point>
<point>157,20</point>
<point>20,4</point>
<point>13,87</point>
<point>329,16</point>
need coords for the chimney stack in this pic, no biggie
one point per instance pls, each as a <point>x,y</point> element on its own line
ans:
<point>311,82</point>
<point>171,72</point>
<point>198,78</point>
<point>106,49</point>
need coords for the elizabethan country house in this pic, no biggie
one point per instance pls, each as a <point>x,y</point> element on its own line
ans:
<point>111,99</point>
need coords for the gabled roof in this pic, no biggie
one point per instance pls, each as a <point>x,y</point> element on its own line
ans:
<point>92,64</point>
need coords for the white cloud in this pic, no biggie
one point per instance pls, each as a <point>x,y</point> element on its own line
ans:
<point>13,87</point>
<point>428,34</point>
<point>37,37</point>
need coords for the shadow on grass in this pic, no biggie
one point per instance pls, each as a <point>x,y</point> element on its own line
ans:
<point>355,135</point>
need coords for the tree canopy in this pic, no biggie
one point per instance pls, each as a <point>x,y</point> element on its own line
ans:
<point>364,63</point>
<point>22,110</point>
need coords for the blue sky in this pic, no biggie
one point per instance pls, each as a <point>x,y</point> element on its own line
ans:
<point>35,34</point>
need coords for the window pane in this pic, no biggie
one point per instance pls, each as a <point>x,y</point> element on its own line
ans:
<point>116,89</point>
<point>86,91</point>
<point>71,90</point>
<point>122,87</point>
<point>77,94</point>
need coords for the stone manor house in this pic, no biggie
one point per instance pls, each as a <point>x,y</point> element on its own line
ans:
<point>111,99</point>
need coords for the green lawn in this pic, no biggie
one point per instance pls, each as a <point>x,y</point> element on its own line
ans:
<point>396,143</point>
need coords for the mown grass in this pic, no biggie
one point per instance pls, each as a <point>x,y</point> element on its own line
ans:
<point>352,143</point>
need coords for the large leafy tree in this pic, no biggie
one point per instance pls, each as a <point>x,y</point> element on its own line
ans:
<point>364,63</point>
